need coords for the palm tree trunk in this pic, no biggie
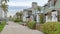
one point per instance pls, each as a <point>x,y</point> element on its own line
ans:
<point>5,15</point>
<point>0,12</point>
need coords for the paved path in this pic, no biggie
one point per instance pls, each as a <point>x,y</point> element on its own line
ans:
<point>13,28</point>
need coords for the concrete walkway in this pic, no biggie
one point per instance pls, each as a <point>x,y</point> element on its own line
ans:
<point>13,28</point>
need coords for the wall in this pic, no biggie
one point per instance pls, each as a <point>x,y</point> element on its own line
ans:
<point>57,4</point>
<point>24,16</point>
<point>54,16</point>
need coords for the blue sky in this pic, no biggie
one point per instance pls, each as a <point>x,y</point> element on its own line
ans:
<point>17,5</point>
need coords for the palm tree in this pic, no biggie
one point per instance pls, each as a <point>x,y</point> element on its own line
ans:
<point>19,15</point>
<point>5,9</point>
<point>4,6</point>
<point>5,1</point>
<point>41,16</point>
<point>39,8</point>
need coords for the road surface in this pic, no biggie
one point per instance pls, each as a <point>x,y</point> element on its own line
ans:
<point>14,28</point>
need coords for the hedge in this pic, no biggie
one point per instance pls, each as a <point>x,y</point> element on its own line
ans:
<point>51,28</point>
<point>32,24</point>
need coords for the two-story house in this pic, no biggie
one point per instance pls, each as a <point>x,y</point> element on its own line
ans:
<point>52,11</point>
<point>27,13</point>
<point>31,13</point>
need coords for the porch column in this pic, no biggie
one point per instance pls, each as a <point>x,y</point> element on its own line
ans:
<point>54,16</point>
<point>37,18</point>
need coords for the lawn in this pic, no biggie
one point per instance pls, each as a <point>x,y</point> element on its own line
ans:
<point>2,25</point>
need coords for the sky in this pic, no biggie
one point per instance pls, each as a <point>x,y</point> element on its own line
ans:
<point>18,5</point>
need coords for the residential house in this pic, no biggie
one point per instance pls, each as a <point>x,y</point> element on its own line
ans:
<point>31,13</point>
<point>52,11</point>
<point>27,13</point>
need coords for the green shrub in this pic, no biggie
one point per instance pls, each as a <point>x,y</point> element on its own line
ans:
<point>32,24</point>
<point>17,20</point>
<point>41,19</point>
<point>2,25</point>
<point>51,28</point>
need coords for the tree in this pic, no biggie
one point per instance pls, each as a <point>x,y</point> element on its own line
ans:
<point>19,15</point>
<point>41,14</point>
<point>4,6</point>
<point>41,18</point>
<point>10,18</point>
<point>5,1</point>
<point>39,8</point>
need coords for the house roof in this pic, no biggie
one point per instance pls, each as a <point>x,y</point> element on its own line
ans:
<point>49,0</point>
<point>28,9</point>
<point>34,2</point>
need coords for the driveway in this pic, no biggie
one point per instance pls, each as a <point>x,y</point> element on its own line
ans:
<point>14,28</point>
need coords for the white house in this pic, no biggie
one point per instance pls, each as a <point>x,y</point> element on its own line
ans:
<point>52,11</point>
<point>31,13</point>
<point>27,13</point>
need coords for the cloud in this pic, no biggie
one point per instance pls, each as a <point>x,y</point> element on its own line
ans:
<point>14,9</point>
<point>26,2</point>
<point>22,4</point>
<point>19,3</point>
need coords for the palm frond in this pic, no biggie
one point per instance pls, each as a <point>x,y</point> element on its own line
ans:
<point>4,7</point>
<point>5,1</point>
<point>39,8</point>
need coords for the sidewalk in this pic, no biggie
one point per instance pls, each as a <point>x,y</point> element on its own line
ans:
<point>13,28</point>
